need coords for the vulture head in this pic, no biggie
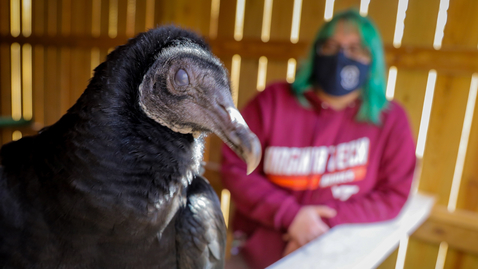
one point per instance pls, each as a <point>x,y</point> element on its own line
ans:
<point>187,89</point>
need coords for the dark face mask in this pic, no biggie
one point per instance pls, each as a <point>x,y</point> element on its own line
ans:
<point>339,75</point>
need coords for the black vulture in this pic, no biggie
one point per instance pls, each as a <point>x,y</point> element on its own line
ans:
<point>115,183</point>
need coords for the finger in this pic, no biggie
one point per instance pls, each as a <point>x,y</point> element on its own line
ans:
<point>291,247</point>
<point>286,237</point>
<point>325,211</point>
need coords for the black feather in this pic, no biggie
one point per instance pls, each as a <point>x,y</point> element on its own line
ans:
<point>102,187</point>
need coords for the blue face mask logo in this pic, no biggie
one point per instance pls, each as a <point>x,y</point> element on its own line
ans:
<point>339,75</point>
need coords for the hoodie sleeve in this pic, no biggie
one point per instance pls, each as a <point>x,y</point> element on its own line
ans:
<point>394,180</point>
<point>254,195</point>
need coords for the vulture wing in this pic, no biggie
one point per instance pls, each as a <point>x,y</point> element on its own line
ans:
<point>201,231</point>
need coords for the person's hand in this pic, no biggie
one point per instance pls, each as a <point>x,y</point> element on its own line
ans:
<point>291,246</point>
<point>308,225</point>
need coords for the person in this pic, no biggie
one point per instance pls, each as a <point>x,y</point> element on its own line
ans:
<point>334,149</point>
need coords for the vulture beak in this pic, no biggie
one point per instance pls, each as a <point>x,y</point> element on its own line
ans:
<point>244,142</point>
<point>233,130</point>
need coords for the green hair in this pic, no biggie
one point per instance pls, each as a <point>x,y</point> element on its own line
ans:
<point>373,92</point>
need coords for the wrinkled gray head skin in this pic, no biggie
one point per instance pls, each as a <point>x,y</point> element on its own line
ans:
<point>187,90</point>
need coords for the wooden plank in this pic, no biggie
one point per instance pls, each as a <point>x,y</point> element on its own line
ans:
<point>467,198</point>
<point>253,17</point>
<point>4,17</point>
<point>38,17</point>
<point>311,20</point>
<point>341,5</point>
<point>52,97</point>
<point>248,81</point>
<point>462,25</point>
<point>140,17</point>
<point>38,85</point>
<point>79,18</point>
<point>419,25</point>
<point>276,71</point>
<point>226,20</point>
<point>410,93</point>
<point>104,17</point>
<point>122,12</point>
<point>65,17</point>
<point>281,23</point>
<point>390,261</point>
<point>65,84</point>
<point>446,121</point>
<point>419,31</point>
<point>52,17</point>
<point>384,15</point>
<point>5,92</point>
<point>5,82</point>
<point>79,81</point>
<point>456,259</point>
<point>192,15</point>
<point>445,61</point>
<point>420,254</point>
<point>459,229</point>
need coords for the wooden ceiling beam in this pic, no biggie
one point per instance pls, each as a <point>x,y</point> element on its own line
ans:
<point>450,60</point>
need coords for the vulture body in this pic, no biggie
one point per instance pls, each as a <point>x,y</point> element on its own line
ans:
<point>114,183</point>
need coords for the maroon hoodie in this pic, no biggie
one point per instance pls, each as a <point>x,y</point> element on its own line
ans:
<point>316,156</point>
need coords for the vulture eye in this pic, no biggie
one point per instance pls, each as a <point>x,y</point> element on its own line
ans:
<point>182,78</point>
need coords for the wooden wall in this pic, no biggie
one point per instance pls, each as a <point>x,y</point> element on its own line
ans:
<point>52,63</point>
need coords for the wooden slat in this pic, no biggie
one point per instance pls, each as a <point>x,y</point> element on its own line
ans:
<point>415,16</point>
<point>52,96</point>
<point>104,17</point>
<point>276,71</point>
<point>384,15</point>
<point>459,229</point>
<point>445,61</point>
<point>140,17</point>
<point>419,31</point>
<point>38,85</point>
<point>79,15</point>
<point>65,17</point>
<point>38,18</point>
<point>253,16</point>
<point>191,14</point>
<point>122,11</point>
<point>456,259</point>
<point>281,23</point>
<point>341,5</point>
<point>410,93</point>
<point>462,24</point>
<point>5,82</point>
<point>461,15</point>
<point>468,198</point>
<point>65,84</point>
<point>420,254</point>
<point>5,92</point>
<point>4,17</point>
<point>390,261</point>
<point>79,81</point>
<point>446,121</point>
<point>227,17</point>
<point>52,17</point>
<point>248,81</point>
<point>311,20</point>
